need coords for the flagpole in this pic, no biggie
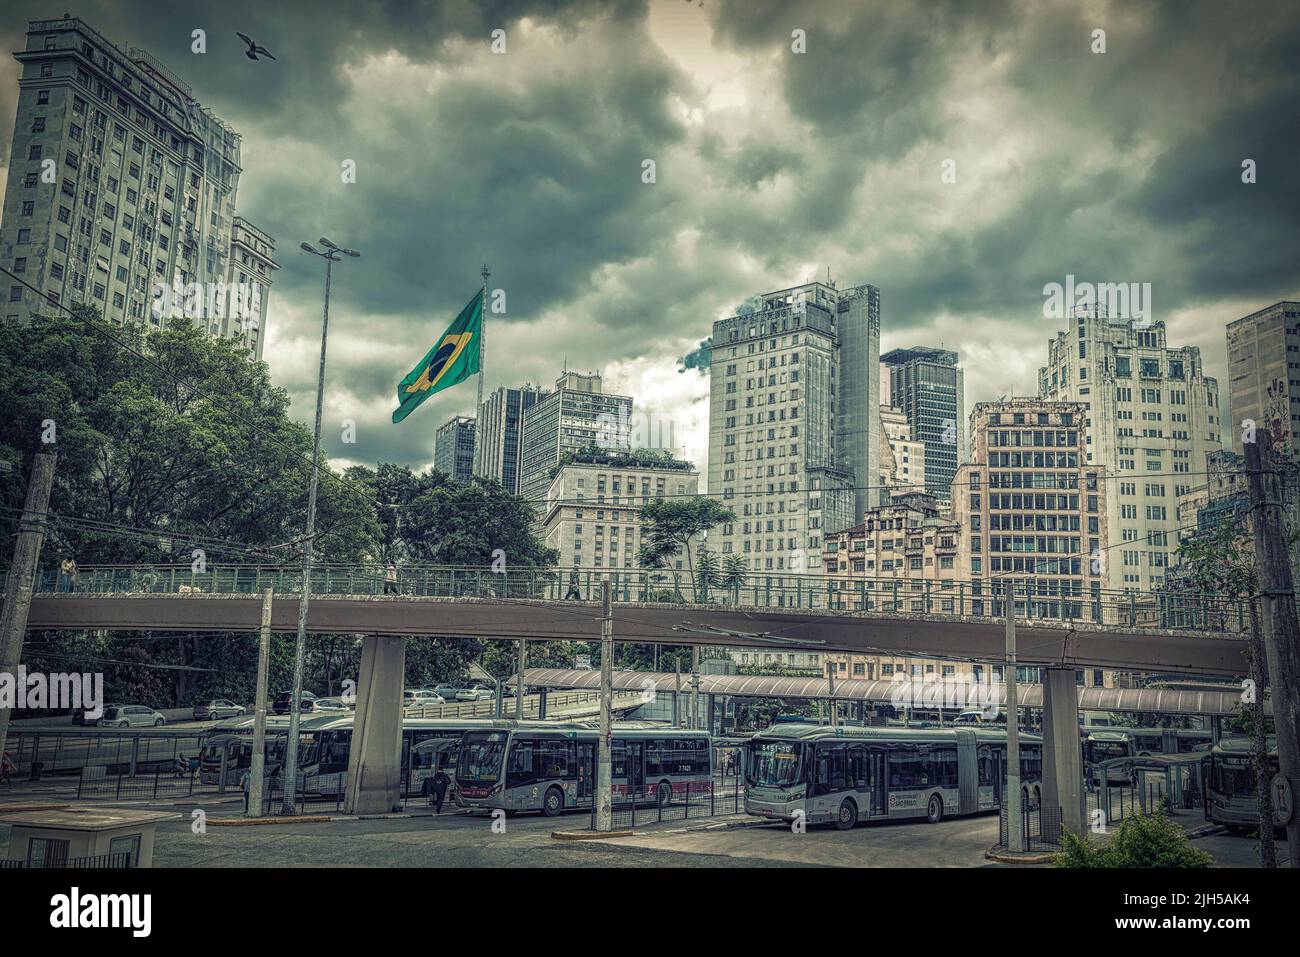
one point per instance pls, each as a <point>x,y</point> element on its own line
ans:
<point>482,356</point>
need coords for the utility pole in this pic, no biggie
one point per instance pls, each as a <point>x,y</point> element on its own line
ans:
<point>695,688</point>
<point>519,682</point>
<point>1015,837</point>
<point>257,768</point>
<point>677,692</point>
<point>22,572</point>
<point>331,256</point>
<point>1281,630</point>
<point>830,678</point>
<point>604,780</point>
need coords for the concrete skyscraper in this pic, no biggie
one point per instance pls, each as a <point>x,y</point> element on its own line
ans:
<point>795,435</point>
<point>1264,373</point>
<point>577,414</point>
<point>121,184</point>
<point>453,448</point>
<point>1151,417</point>
<point>928,386</point>
<point>501,424</point>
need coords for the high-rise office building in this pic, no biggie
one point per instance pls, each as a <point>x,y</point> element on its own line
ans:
<point>1264,374</point>
<point>795,434</point>
<point>577,414</point>
<point>249,278</point>
<point>1031,509</point>
<point>453,448</point>
<point>121,187</point>
<point>1152,416</point>
<point>928,386</point>
<point>500,423</point>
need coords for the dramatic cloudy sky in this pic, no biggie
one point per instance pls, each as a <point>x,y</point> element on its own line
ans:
<point>772,167</point>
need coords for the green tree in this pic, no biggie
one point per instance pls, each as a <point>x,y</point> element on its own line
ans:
<point>1142,840</point>
<point>669,525</point>
<point>735,570</point>
<point>708,572</point>
<point>1221,561</point>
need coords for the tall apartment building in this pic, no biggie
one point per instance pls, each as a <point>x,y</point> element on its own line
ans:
<point>1151,418</point>
<point>119,181</point>
<point>453,448</point>
<point>1264,373</point>
<point>930,388</point>
<point>902,557</point>
<point>577,414</point>
<point>902,468</point>
<point>501,420</point>
<point>795,436</point>
<point>248,279</point>
<point>592,515</point>
<point>1032,509</point>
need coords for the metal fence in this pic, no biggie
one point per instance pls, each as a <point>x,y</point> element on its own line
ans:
<point>123,860</point>
<point>1040,827</point>
<point>1036,598</point>
<point>124,752</point>
<point>723,793</point>
<point>93,784</point>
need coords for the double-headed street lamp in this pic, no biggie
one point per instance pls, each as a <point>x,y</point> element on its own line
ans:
<point>330,255</point>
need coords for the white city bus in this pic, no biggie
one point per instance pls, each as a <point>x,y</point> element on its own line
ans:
<point>1105,744</point>
<point>325,743</point>
<point>1230,792</point>
<point>547,767</point>
<point>847,774</point>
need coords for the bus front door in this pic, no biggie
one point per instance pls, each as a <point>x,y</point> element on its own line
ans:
<point>879,784</point>
<point>586,770</point>
<point>636,769</point>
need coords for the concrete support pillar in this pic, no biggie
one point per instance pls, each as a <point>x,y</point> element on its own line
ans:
<point>1062,762</point>
<point>375,759</point>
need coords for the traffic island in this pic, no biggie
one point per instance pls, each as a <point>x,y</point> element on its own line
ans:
<point>258,821</point>
<point>587,835</point>
<point>1003,855</point>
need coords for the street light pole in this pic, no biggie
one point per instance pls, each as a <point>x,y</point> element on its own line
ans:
<point>1015,838</point>
<point>289,805</point>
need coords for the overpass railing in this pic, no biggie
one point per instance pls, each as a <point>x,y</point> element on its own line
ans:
<point>1036,597</point>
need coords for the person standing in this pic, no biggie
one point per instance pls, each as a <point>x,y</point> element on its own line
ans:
<point>440,783</point>
<point>67,574</point>
<point>390,579</point>
<point>573,593</point>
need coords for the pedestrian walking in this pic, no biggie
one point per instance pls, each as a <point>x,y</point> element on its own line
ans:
<point>440,783</point>
<point>182,766</point>
<point>573,594</point>
<point>390,579</point>
<point>68,574</point>
<point>244,786</point>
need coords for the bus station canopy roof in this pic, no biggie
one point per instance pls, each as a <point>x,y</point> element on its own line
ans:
<point>1156,700</point>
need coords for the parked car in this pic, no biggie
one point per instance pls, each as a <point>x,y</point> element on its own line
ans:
<point>281,703</point>
<point>447,692</point>
<point>476,692</point>
<point>332,705</point>
<point>80,717</point>
<point>420,698</point>
<point>131,716</point>
<point>216,709</point>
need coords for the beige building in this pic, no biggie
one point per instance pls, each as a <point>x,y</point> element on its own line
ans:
<point>1151,416</point>
<point>903,467</point>
<point>1264,372</point>
<point>1031,509</point>
<point>592,515</point>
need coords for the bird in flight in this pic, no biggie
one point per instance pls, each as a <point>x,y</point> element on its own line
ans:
<point>253,49</point>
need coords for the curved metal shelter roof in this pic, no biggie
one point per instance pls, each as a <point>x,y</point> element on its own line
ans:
<point>879,691</point>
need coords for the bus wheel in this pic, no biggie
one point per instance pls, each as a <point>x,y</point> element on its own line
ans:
<point>554,802</point>
<point>934,813</point>
<point>847,819</point>
<point>665,796</point>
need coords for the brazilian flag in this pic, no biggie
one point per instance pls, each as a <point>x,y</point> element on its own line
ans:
<point>453,358</point>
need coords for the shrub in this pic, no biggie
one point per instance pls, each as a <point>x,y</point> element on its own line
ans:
<point>1141,841</point>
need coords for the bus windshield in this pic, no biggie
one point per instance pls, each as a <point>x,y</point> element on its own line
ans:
<point>1232,776</point>
<point>1105,750</point>
<point>774,763</point>
<point>480,756</point>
